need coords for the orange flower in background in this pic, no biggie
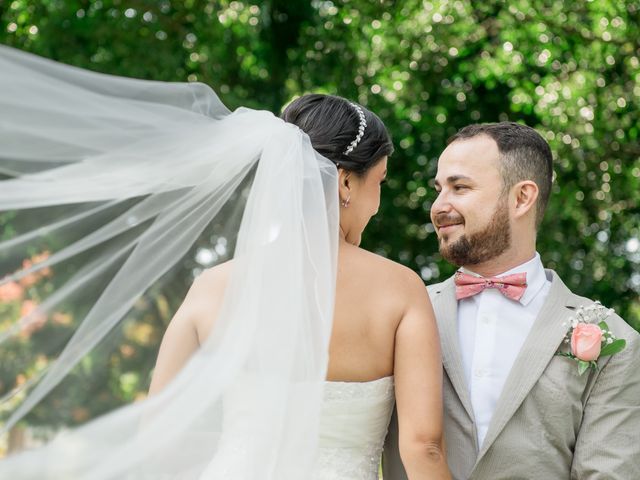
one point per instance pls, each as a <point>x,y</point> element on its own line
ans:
<point>10,292</point>
<point>41,257</point>
<point>29,280</point>
<point>140,396</point>
<point>60,318</point>
<point>127,351</point>
<point>80,414</point>
<point>33,278</point>
<point>35,320</point>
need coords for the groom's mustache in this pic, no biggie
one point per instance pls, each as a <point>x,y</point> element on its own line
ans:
<point>446,219</point>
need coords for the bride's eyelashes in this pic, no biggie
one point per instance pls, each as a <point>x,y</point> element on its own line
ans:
<point>383,182</point>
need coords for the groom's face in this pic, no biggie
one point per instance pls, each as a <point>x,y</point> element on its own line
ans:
<point>470,214</point>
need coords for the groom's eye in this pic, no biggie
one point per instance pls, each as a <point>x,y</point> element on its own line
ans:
<point>459,187</point>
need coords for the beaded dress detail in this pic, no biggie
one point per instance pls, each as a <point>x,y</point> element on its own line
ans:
<point>353,425</point>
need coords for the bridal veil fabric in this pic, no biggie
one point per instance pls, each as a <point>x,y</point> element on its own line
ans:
<point>120,178</point>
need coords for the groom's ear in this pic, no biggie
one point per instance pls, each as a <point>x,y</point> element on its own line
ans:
<point>526,196</point>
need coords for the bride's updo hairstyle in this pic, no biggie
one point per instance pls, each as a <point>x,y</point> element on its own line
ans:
<point>334,124</point>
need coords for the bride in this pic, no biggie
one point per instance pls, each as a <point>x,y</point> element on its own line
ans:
<point>281,363</point>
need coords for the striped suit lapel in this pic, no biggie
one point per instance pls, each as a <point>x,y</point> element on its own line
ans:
<point>539,348</point>
<point>445,306</point>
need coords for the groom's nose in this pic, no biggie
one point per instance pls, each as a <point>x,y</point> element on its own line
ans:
<point>440,205</point>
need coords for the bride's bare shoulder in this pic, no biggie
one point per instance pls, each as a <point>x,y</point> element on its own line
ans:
<point>205,297</point>
<point>375,266</point>
<point>207,289</point>
<point>214,277</point>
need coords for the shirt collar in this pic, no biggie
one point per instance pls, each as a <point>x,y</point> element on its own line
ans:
<point>536,277</point>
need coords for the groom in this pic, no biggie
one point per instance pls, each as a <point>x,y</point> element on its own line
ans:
<point>513,409</point>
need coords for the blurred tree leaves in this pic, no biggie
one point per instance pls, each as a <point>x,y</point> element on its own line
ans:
<point>427,68</point>
<point>570,70</point>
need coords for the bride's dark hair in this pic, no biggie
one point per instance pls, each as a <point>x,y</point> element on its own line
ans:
<point>332,124</point>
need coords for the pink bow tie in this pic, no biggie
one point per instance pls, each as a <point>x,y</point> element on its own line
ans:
<point>511,286</point>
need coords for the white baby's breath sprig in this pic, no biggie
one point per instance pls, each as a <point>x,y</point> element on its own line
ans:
<point>594,314</point>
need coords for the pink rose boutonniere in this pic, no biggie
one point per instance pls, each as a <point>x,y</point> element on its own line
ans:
<point>590,337</point>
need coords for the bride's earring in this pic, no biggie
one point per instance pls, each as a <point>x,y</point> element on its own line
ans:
<point>345,203</point>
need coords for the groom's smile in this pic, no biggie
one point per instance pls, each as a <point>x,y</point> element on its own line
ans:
<point>445,224</point>
<point>445,229</point>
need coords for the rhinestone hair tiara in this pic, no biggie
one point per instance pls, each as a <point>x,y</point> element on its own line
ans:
<point>361,127</point>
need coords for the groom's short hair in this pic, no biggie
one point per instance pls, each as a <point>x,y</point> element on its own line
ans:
<point>524,155</point>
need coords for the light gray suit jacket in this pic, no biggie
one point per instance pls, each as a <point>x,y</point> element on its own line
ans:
<point>549,423</point>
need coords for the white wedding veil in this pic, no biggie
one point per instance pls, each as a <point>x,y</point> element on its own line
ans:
<point>118,179</point>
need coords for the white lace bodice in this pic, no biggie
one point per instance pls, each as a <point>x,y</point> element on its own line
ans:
<point>353,426</point>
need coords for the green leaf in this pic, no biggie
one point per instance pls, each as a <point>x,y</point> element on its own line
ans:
<point>614,347</point>
<point>603,326</point>
<point>582,366</point>
<point>565,354</point>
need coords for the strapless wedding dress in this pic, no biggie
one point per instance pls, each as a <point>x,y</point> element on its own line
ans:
<point>353,425</point>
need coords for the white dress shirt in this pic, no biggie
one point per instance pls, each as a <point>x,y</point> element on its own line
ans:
<point>492,329</point>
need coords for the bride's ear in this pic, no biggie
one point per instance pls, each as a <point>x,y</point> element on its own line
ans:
<point>344,185</point>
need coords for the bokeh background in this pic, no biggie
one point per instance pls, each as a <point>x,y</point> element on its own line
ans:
<point>427,68</point>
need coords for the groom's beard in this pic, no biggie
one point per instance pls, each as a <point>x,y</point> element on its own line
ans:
<point>484,245</point>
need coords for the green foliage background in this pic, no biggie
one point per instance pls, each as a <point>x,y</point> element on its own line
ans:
<point>427,68</point>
